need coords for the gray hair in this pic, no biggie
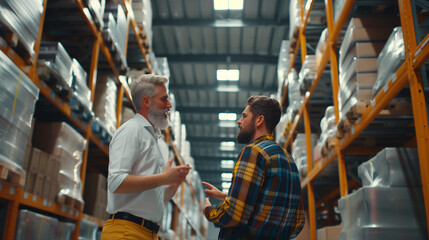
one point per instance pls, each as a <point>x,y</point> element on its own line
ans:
<point>145,86</point>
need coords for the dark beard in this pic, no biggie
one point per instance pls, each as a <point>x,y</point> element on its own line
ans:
<point>245,137</point>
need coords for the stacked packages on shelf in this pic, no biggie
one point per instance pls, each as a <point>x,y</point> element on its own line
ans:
<point>21,17</point>
<point>143,15</point>
<point>282,67</point>
<point>390,203</point>
<point>114,32</point>
<point>88,230</point>
<point>81,99</point>
<point>18,96</point>
<point>294,20</point>
<point>95,195</point>
<point>96,8</point>
<point>358,64</point>
<point>61,140</point>
<point>55,67</point>
<point>33,225</point>
<point>105,107</point>
<point>390,59</point>
<point>162,67</point>
<point>299,152</point>
<point>328,127</point>
<point>307,74</point>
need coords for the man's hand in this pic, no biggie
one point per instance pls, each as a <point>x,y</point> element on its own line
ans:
<point>214,192</point>
<point>207,207</point>
<point>177,174</point>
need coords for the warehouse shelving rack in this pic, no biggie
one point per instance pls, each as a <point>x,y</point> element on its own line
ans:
<point>16,196</point>
<point>408,73</point>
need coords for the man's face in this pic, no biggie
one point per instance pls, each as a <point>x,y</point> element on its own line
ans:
<point>247,127</point>
<point>159,108</point>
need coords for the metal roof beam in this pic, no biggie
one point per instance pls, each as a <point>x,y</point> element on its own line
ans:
<point>221,58</point>
<point>220,23</point>
<point>217,88</point>
<point>210,109</point>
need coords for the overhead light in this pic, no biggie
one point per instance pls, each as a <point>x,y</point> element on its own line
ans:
<point>226,185</point>
<point>227,124</point>
<point>227,116</point>
<point>227,164</point>
<point>228,4</point>
<point>226,176</point>
<point>227,143</point>
<point>228,88</point>
<point>225,190</point>
<point>228,74</point>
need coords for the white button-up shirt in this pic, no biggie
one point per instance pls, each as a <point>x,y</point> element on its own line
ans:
<point>134,150</point>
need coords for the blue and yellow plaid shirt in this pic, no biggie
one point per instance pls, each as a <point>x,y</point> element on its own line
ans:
<point>264,200</point>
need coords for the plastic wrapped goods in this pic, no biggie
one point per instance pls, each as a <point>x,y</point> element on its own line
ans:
<point>143,15</point>
<point>307,74</point>
<point>383,213</point>
<point>392,167</point>
<point>18,96</point>
<point>294,18</point>
<point>282,67</point>
<point>328,127</point>
<point>23,18</point>
<point>62,141</point>
<point>105,103</point>
<point>299,152</point>
<point>321,45</point>
<point>31,224</point>
<point>80,86</point>
<point>390,59</point>
<point>295,98</point>
<point>88,230</point>
<point>54,56</point>
<point>64,231</point>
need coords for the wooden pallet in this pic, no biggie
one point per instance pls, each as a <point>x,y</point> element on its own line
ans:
<point>15,43</point>
<point>11,176</point>
<point>69,202</point>
<point>397,107</point>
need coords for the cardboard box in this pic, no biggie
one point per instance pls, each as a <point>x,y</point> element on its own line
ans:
<point>34,162</point>
<point>46,188</point>
<point>95,193</point>
<point>27,156</point>
<point>43,164</point>
<point>362,50</point>
<point>53,191</point>
<point>329,233</point>
<point>374,22</point>
<point>354,35</point>
<point>38,185</point>
<point>358,65</point>
<point>29,182</point>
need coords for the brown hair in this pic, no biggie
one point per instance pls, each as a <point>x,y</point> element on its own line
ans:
<point>267,107</point>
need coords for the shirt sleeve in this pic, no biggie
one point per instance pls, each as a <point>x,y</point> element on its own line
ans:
<point>123,151</point>
<point>238,205</point>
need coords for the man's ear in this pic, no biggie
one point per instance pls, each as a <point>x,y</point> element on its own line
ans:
<point>146,102</point>
<point>260,120</point>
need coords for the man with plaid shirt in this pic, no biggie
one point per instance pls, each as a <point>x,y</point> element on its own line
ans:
<point>264,200</point>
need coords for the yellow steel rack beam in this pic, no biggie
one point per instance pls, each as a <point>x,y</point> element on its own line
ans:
<point>417,95</point>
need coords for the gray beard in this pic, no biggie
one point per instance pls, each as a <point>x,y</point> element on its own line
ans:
<point>157,118</point>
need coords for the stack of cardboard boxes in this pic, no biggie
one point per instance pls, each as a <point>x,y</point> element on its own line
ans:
<point>95,195</point>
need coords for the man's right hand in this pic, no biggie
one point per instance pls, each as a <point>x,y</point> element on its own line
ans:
<point>214,192</point>
<point>175,174</point>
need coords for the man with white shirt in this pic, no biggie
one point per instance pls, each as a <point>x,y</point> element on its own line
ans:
<point>139,181</point>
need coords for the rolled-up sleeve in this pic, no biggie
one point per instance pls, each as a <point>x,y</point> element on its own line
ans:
<point>123,151</point>
<point>246,181</point>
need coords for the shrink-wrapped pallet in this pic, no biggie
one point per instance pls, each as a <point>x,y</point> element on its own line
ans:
<point>18,96</point>
<point>65,143</point>
<point>31,224</point>
<point>390,59</point>
<point>22,17</point>
<point>105,103</point>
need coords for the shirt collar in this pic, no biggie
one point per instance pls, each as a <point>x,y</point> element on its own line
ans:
<point>264,138</point>
<point>145,123</point>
